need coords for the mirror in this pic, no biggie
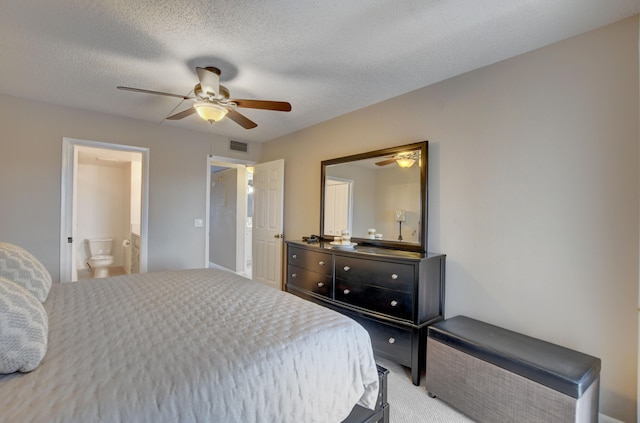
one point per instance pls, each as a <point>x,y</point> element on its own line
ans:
<point>380,197</point>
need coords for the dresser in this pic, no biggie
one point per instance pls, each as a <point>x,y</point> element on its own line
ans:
<point>393,294</point>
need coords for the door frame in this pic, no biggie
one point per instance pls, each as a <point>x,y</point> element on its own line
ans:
<point>67,209</point>
<point>217,161</point>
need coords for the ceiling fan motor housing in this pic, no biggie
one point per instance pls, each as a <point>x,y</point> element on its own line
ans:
<point>209,81</point>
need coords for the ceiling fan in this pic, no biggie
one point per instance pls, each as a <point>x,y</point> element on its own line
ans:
<point>212,102</point>
<point>404,159</point>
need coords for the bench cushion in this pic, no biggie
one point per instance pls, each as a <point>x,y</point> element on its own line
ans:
<point>562,369</point>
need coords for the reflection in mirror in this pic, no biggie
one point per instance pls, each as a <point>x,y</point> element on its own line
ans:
<point>378,196</point>
<point>338,205</point>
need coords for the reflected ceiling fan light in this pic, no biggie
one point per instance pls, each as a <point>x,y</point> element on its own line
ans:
<point>405,162</point>
<point>210,112</point>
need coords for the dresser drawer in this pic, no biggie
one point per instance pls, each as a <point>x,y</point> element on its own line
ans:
<point>311,281</point>
<point>314,261</point>
<point>396,276</point>
<point>380,300</point>
<point>391,341</point>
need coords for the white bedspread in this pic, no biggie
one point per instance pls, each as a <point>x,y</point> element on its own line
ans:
<point>191,346</point>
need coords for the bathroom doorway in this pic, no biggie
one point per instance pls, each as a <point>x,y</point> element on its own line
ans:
<point>104,196</point>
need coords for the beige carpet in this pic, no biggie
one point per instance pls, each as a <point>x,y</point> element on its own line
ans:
<point>409,403</point>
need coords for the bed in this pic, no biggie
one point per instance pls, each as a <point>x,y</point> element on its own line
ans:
<point>200,345</point>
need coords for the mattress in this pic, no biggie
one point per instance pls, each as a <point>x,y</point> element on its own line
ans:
<point>201,345</point>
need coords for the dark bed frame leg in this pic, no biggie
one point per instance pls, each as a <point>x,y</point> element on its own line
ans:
<point>381,413</point>
<point>385,418</point>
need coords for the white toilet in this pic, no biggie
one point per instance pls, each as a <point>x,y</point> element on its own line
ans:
<point>101,257</point>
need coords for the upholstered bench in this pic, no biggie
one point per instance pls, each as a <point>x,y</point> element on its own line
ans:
<point>495,375</point>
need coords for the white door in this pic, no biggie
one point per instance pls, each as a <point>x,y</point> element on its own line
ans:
<point>342,220</point>
<point>268,237</point>
<point>337,206</point>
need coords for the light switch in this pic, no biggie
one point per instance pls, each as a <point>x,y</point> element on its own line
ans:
<point>198,223</point>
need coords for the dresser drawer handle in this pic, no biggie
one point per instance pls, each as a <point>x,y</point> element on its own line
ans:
<point>321,263</point>
<point>293,275</point>
<point>394,276</point>
<point>320,284</point>
<point>392,340</point>
<point>294,256</point>
<point>394,303</point>
<point>346,292</point>
<point>347,268</point>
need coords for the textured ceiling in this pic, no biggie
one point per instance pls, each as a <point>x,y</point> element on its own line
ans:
<point>326,58</point>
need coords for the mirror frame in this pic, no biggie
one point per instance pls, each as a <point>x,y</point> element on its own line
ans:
<point>423,146</point>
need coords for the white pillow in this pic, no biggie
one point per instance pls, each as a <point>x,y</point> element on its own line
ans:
<point>22,267</point>
<point>24,329</point>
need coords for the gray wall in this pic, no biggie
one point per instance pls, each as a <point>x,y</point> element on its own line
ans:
<point>533,192</point>
<point>30,167</point>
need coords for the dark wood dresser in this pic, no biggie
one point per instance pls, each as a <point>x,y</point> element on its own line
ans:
<point>394,294</point>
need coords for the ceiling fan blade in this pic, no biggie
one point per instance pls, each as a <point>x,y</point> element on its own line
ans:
<point>209,80</point>
<point>240,119</point>
<point>279,106</point>
<point>140,90</point>
<point>182,114</point>
<point>386,162</point>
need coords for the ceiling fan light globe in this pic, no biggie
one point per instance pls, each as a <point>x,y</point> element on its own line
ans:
<point>210,112</point>
<point>405,162</point>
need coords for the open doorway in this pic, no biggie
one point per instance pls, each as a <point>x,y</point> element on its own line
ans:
<point>229,220</point>
<point>103,209</point>
<point>260,236</point>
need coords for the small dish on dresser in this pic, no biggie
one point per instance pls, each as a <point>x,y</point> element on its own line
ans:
<point>341,246</point>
